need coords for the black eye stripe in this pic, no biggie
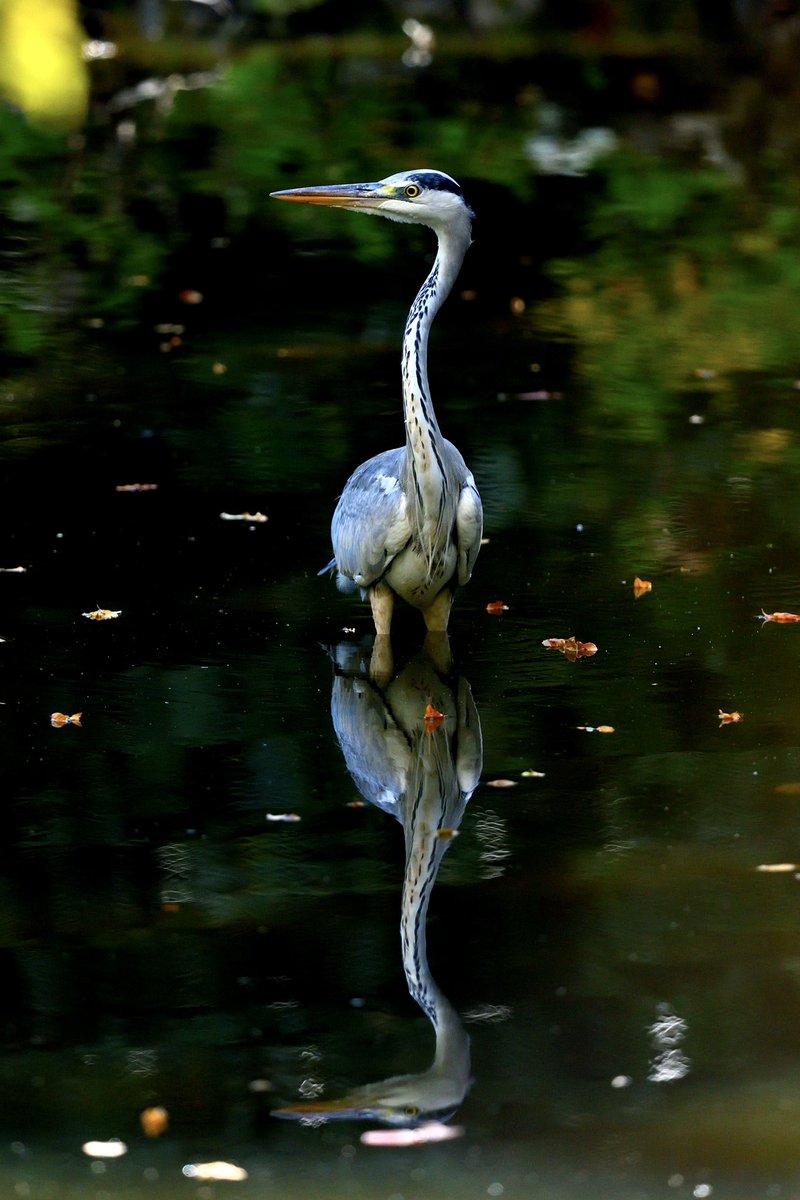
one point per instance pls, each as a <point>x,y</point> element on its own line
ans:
<point>436,182</point>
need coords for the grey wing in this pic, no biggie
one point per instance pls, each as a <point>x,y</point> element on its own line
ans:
<point>469,528</point>
<point>370,525</point>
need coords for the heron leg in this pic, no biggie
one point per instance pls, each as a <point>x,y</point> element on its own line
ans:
<point>381,598</point>
<point>438,614</point>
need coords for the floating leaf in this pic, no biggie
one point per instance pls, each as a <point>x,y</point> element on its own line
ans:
<point>641,587</point>
<point>58,719</point>
<point>256,518</point>
<point>730,718</point>
<point>433,718</point>
<point>136,487</point>
<point>103,614</point>
<point>596,728</point>
<point>777,868</point>
<point>356,804</point>
<point>788,789</point>
<point>501,783</point>
<point>154,1121</point>
<point>13,570</point>
<point>291,817</point>
<point>533,774</point>
<point>215,1170</point>
<point>113,1148</point>
<point>496,607</point>
<point>570,647</point>
<point>190,296</point>
<point>780,618</point>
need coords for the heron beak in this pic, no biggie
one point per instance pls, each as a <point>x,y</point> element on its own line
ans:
<point>338,195</point>
<point>331,1110</point>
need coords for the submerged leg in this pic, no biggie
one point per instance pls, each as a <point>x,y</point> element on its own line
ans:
<point>381,660</point>
<point>381,598</point>
<point>438,614</point>
<point>437,648</point>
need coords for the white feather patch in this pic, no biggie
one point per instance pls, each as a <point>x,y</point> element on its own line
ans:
<point>387,483</point>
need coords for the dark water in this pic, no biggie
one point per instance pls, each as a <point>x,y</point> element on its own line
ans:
<point>600,932</point>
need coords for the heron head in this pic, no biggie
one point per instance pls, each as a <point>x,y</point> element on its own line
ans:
<point>419,197</point>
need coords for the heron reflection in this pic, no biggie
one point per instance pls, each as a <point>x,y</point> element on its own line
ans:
<point>423,774</point>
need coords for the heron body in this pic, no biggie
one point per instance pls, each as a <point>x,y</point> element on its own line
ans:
<point>409,521</point>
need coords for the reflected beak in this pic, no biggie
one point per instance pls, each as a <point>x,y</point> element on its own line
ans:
<point>337,195</point>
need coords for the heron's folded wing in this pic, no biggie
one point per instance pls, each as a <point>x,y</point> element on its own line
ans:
<point>469,528</point>
<point>370,524</point>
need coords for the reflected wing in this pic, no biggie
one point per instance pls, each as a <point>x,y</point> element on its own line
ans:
<point>370,524</point>
<point>469,528</point>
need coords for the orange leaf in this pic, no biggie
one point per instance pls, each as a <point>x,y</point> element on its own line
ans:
<point>58,720</point>
<point>103,614</point>
<point>730,718</point>
<point>571,647</point>
<point>154,1121</point>
<point>136,487</point>
<point>641,587</point>
<point>496,607</point>
<point>433,718</point>
<point>780,618</point>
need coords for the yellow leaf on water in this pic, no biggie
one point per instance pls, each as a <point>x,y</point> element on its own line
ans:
<point>41,65</point>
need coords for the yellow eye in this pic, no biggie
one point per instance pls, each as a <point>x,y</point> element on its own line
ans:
<point>411,1110</point>
<point>412,191</point>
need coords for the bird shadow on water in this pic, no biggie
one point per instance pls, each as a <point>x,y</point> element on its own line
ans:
<point>412,744</point>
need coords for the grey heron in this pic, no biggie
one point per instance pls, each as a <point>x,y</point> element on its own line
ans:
<point>425,779</point>
<point>409,521</point>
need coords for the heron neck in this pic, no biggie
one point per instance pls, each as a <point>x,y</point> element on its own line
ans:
<point>422,429</point>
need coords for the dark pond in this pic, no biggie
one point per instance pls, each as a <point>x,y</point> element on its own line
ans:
<point>616,1005</point>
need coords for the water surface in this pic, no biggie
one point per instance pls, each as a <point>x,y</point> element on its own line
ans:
<point>626,976</point>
